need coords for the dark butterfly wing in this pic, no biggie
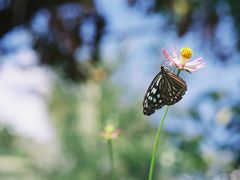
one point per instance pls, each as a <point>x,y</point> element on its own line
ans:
<point>152,100</point>
<point>173,88</point>
<point>165,89</point>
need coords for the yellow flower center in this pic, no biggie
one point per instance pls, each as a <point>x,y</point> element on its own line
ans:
<point>108,132</point>
<point>186,54</point>
<point>109,129</point>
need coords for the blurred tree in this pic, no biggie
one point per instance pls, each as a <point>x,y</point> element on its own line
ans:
<point>199,16</point>
<point>62,40</point>
<point>75,26</point>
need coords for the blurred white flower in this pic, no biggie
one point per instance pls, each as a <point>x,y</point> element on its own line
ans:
<point>224,116</point>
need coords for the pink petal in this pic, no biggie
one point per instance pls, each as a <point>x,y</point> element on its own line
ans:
<point>166,54</point>
<point>200,59</point>
<point>190,69</point>
<point>192,65</point>
<point>174,52</point>
<point>194,68</point>
<point>180,66</point>
<point>173,59</point>
<point>195,63</point>
<point>177,61</point>
<point>201,66</point>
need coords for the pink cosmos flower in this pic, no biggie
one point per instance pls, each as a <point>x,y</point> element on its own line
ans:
<point>181,61</point>
<point>110,132</point>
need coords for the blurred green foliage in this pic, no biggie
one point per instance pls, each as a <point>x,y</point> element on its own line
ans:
<point>81,104</point>
<point>84,155</point>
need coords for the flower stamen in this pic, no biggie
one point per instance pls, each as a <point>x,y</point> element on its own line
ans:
<point>186,52</point>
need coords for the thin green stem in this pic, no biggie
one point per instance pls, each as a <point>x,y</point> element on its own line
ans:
<point>110,149</point>
<point>155,147</point>
<point>179,70</point>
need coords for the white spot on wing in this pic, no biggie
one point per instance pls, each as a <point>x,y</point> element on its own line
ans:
<point>150,98</point>
<point>154,90</point>
<point>158,80</point>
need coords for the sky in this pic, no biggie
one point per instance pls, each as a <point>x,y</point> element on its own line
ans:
<point>135,40</point>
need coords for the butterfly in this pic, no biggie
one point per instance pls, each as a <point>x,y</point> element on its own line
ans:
<point>165,89</point>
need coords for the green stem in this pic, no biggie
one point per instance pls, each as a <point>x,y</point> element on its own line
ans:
<point>179,70</point>
<point>110,148</point>
<point>155,147</point>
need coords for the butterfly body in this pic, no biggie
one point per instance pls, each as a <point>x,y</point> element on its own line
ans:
<point>165,89</point>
